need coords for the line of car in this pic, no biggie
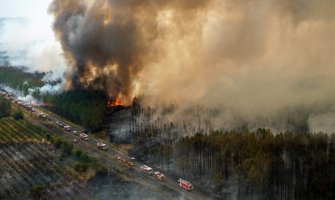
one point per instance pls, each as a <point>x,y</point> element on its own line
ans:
<point>127,162</point>
<point>143,168</point>
<point>12,97</point>
<point>44,116</point>
<point>68,128</point>
<point>124,161</point>
<point>161,177</point>
<point>157,175</point>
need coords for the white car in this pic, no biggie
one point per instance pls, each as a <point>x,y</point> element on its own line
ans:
<point>102,146</point>
<point>67,128</point>
<point>84,136</point>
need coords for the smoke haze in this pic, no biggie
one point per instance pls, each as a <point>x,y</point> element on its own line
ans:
<point>253,57</point>
<point>30,42</point>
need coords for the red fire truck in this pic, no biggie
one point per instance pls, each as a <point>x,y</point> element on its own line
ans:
<point>185,184</point>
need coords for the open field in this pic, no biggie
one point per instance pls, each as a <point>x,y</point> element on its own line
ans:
<point>28,162</point>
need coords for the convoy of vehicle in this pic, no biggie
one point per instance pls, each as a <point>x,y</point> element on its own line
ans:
<point>143,168</point>
<point>14,99</point>
<point>124,161</point>
<point>59,124</point>
<point>27,106</point>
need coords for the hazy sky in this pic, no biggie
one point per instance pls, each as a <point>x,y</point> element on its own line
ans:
<point>29,39</point>
<point>24,8</point>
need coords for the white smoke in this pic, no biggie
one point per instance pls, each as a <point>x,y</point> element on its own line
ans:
<point>324,122</point>
<point>27,47</point>
<point>27,38</point>
<point>48,88</point>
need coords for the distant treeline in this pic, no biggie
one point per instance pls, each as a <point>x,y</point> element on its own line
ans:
<point>17,78</point>
<point>84,107</point>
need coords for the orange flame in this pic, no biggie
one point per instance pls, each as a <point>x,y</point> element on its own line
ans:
<point>115,102</point>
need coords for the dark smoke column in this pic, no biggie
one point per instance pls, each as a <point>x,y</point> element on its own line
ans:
<point>101,41</point>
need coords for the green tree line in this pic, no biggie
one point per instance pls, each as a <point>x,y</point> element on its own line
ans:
<point>20,79</point>
<point>17,78</point>
<point>84,107</point>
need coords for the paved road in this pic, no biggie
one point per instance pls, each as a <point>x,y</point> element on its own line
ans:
<point>168,188</point>
<point>104,155</point>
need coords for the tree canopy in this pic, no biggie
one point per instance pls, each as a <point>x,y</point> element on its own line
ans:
<point>81,106</point>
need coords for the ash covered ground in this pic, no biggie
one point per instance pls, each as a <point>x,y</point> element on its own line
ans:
<point>26,167</point>
<point>114,188</point>
<point>118,125</point>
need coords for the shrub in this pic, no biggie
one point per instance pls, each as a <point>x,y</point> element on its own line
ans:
<point>85,158</point>
<point>67,148</point>
<point>78,153</point>
<point>18,114</point>
<point>58,142</point>
<point>80,167</point>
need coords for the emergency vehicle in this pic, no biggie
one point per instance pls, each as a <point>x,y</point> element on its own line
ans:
<point>185,184</point>
<point>159,176</point>
<point>146,169</point>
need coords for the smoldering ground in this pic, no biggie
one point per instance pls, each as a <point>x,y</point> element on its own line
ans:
<point>255,58</point>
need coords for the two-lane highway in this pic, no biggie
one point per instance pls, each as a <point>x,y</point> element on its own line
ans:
<point>168,188</point>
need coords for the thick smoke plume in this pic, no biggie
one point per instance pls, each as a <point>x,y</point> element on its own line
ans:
<point>254,57</point>
<point>108,43</point>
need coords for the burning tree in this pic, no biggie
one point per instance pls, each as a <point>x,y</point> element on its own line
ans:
<point>115,102</point>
